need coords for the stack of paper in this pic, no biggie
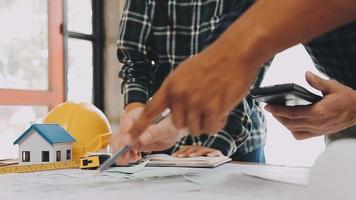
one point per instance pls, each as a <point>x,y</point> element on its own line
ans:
<point>163,160</point>
<point>6,162</point>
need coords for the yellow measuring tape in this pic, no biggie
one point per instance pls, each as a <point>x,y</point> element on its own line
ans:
<point>38,167</point>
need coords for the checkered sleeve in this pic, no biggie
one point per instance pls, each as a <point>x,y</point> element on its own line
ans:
<point>221,141</point>
<point>133,51</point>
<point>233,135</point>
<point>245,129</point>
<point>237,131</point>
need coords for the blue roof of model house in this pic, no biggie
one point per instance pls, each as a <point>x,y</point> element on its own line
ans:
<point>52,133</point>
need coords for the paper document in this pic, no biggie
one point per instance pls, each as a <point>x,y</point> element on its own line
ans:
<point>150,173</point>
<point>163,166</point>
<point>157,183</point>
<point>163,160</point>
<point>6,162</point>
<point>292,175</point>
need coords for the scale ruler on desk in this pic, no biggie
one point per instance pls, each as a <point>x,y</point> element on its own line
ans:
<point>39,167</point>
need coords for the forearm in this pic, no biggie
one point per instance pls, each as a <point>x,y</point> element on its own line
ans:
<point>353,108</point>
<point>132,106</point>
<point>271,26</point>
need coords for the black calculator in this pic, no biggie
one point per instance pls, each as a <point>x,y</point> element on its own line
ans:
<point>289,94</point>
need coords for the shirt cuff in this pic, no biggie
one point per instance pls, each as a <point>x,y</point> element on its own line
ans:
<point>223,142</point>
<point>135,93</point>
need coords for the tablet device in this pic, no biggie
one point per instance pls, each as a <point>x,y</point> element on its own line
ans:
<point>289,94</point>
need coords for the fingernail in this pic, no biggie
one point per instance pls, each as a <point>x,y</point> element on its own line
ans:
<point>180,155</point>
<point>192,155</point>
<point>211,155</point>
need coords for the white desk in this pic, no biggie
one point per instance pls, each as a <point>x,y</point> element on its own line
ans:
<point>224,182</point>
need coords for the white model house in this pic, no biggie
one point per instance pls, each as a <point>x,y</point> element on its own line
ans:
<point>44,143</point>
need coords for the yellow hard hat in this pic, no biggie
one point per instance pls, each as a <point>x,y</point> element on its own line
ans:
<point>86,123</point>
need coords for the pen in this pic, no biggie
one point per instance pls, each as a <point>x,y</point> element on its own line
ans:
<point>123,150</point>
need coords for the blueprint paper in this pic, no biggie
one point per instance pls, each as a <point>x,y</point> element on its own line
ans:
<point>129,170</point>
<point>74,184</point>
<point>142,172</point>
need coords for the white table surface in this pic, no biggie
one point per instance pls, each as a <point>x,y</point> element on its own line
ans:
<point>224,182</point>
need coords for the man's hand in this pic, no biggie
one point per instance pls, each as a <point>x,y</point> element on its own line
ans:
<point>196,150</point>
<point>127,120</point>
<point>156,137</point>
<point>204,88</point>
<point>199,93</point>
<point>335,112</point>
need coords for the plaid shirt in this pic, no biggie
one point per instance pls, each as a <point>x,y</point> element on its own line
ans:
<point>333,53</point>
<point>155,36</point>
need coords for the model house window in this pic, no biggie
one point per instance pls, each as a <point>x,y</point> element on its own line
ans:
<point>25,156</point>
<point>58,156</point>
<point>45,156</point>
<point>69,154</point>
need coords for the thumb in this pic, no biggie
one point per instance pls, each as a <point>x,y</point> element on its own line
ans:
<point>125,124</point>
<point>325,86</point>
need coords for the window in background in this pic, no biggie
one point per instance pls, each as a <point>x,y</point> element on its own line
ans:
<point>23,45</point>
<point>14,120</point>
<point>79,14</point>
<point>282,148</point>
<point>84,41</point>
<point>80,70</point>
<point>31,66</point>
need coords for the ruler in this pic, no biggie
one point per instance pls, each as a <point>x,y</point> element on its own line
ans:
<point>39,167</point>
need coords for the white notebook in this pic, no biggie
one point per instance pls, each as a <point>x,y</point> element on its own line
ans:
<point>163,160</point>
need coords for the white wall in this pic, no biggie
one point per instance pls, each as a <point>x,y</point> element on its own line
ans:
<point>113,97</point>
<point>282,148</point>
